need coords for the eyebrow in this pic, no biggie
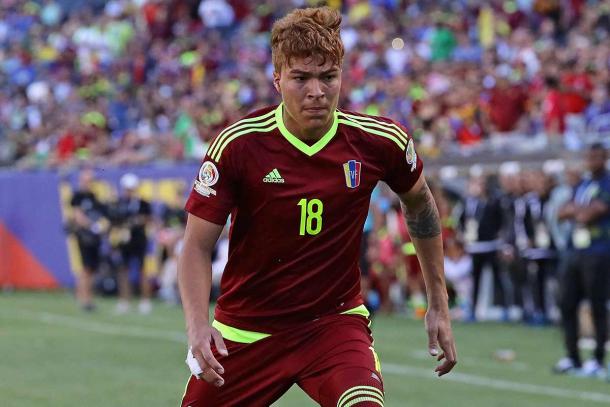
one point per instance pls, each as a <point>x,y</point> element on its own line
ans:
<point>299,72</point>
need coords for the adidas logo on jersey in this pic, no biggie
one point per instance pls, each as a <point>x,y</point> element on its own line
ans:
<point>274,176</point>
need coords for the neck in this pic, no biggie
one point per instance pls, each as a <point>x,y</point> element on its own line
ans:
<point>313,134</point>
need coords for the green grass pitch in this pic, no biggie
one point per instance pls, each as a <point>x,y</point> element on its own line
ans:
<point>52,354</point>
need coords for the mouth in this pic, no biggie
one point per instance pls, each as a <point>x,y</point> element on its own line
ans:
<point>315,112</point>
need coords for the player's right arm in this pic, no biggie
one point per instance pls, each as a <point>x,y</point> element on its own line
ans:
<point>195,282</point>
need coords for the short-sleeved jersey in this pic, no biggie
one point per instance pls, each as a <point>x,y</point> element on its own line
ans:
<point>297,212</point>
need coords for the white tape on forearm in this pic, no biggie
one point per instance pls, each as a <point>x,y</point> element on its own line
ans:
<point>192,363</point>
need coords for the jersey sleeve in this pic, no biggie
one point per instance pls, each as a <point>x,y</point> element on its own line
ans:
<point>403,165</point>
<point>213,195</point>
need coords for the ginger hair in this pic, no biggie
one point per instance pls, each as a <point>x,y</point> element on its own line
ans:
<point>305,33</point>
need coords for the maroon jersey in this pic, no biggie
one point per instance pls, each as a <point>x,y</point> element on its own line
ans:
<point>297,212</point>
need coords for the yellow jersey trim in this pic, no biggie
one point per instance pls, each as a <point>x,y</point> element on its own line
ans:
<point>364,127</point>
<point>391,127</point>
<point>359,310</point>
<point>239,125</point>
<point>248,130</point>
<point>297,143</point>
<point>238,335</point>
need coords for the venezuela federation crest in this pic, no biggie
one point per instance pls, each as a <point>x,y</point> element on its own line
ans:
<point>352,173</point>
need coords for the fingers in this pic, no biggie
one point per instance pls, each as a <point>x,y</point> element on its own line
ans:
<point>219,343</point>
<point>433,340</point>
<point>450,356</point>
<point>210,360</point>
<point>438,327</point>
<point>210,366</point>
<point>444,368</point>
<point>210,376</point>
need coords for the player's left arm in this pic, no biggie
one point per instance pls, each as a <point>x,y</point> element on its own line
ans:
<point>423,221</point>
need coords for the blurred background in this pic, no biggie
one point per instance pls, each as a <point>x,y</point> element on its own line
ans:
<point>107,107</point>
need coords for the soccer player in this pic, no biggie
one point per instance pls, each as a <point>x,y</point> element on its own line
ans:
<point>296,179</point>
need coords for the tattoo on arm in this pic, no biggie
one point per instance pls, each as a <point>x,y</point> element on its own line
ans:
<point>421,214</point>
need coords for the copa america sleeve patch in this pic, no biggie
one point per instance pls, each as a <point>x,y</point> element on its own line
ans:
<point>411,155</point>
<point>208,177</point>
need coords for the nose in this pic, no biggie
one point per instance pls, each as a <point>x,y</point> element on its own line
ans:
<point>314,90</point>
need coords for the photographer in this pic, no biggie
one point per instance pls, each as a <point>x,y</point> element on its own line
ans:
<point>88,223</point>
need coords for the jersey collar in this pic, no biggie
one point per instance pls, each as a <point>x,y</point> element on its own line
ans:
<point>297,143</point>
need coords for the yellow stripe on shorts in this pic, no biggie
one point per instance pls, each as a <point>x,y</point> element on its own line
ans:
<point>361,400</point>
<point>369,392</point>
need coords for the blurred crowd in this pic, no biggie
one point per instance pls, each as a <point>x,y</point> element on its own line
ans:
<point>541,234</point>
<point>125,82</point>
<point>518,225</point>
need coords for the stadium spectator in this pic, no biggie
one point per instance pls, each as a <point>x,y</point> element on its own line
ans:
<point>480,223</point>
<point>586,270</point>
<point>507,104</point>
<point>597,113</point>
<point>216,13</point>
<point>514,183</point>
<point>553,108</point>
<point>541,253</point>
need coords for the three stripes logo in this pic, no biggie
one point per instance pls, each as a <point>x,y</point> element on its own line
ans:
<point>274,177</point>
<point>260,124</point>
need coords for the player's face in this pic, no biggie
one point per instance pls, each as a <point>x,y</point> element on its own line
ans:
<point>310,92</point>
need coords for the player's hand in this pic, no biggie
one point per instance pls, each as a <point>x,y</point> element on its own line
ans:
<point>200,342</point>
<point>438,327</point>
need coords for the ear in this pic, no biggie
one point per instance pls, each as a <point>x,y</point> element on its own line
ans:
<point>276,81</point>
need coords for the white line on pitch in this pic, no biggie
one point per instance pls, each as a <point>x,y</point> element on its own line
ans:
<point>480,381</point>
<point>471,361</point>
<point>105,327</point>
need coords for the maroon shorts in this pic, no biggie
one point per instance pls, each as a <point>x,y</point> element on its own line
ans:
<point>331,359</point>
